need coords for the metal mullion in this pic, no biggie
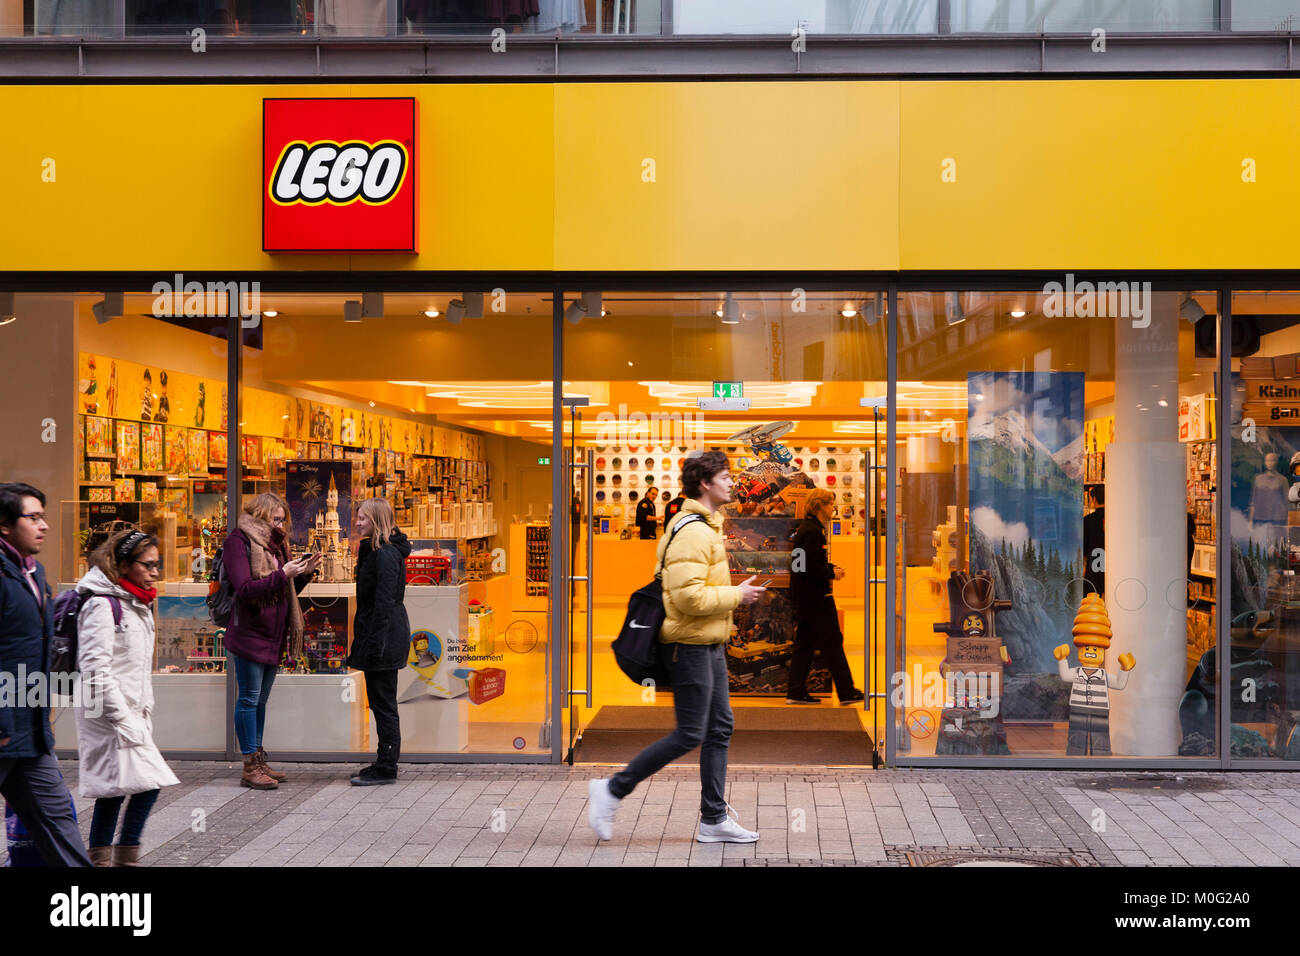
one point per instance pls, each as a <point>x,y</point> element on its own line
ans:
<point>1223,502</point>
<point>234,356</point>
<point>891,519</point>
<point>559,607</point>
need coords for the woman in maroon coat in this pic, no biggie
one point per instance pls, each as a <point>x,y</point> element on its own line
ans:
<point>267,621</point>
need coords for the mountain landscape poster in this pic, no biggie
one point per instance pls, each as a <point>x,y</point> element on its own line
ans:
<point>1025,442</point>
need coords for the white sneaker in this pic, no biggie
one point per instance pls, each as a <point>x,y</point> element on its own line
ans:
<point>728,831</point>
<point>601,805</point>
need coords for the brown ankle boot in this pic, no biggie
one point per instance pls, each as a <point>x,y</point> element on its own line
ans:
<point>275,775</point>
<point>126,855</point>
<point>101,856</point>
<point>253,775</point>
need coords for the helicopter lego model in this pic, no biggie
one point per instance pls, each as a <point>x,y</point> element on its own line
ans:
<point>762,441</point>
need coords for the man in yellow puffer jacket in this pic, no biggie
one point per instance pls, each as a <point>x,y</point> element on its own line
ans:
<point>698,600</point>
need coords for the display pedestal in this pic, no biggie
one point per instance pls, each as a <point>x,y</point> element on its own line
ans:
<point>429,724</point>
<point>311,712</point>
<point>189,714</point>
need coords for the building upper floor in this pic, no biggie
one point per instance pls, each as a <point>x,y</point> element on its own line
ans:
<point>522,38</point>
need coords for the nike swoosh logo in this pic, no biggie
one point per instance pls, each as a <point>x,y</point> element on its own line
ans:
<point>644,627</point>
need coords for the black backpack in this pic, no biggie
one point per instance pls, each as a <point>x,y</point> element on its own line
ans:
<point>637,645</point>
<point>221,593</point>
<point>67,608</point>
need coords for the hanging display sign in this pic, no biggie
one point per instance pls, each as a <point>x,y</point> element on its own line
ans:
<point>339,175</point>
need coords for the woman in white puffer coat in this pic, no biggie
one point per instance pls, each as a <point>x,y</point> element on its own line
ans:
<point>114,705</point>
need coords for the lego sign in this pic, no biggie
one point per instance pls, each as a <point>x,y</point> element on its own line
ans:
<point>339,175</point>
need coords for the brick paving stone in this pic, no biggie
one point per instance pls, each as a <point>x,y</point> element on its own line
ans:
<point>518,815</point>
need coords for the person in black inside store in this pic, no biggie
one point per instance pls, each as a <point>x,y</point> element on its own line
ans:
<point>817,623</point>
<point>1094,541</point>
<point>29,773</point>
<point>647,516</point>
<point>671,509</point>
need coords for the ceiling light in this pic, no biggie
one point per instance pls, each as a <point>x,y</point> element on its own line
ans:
<point>270,313</point>
<point>730,311</point>
<point>352,311</point>
<point>109,308</point>
<point>575,312</point>
<point>848,311</point>
<point>372,404</point>
<point>591,303</point>
<point>1017,313</point>
<point>473,305</point>
<point>455,311</point>
<point>431,313</point>
<point>372,305</point>
<point>7,310</point>
<point>8,319</point>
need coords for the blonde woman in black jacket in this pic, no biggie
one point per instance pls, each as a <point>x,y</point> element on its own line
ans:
<point>381,631</point>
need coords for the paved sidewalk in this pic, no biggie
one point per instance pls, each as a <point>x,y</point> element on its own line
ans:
<point>510,815</point>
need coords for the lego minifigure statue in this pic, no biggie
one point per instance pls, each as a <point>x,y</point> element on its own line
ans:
<point>1089,733</point>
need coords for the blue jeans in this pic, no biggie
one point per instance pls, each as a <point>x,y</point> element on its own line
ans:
<point>254,682</point>
<point>103,823</point>
<point>704,720</point>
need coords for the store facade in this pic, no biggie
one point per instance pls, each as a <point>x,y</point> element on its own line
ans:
<point>500,305</point>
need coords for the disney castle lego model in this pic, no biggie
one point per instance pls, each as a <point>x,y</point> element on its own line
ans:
<point>325,537</point>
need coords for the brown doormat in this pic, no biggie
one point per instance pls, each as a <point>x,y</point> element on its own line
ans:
<point>825,735</point>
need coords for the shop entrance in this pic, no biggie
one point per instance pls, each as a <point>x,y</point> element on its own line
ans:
<point>791,387</point>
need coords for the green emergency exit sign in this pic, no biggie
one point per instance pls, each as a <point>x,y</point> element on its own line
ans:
<point>728,389</point>
<point>543,461</point>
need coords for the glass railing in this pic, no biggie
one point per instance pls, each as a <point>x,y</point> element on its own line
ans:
<point>467,18</point>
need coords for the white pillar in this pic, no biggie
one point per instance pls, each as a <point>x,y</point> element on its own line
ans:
<point>1146,534</point>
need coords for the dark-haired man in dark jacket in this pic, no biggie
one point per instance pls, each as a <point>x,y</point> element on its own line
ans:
<point>29,774</point>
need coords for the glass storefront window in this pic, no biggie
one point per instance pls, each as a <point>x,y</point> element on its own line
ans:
<point>1057,466</point>
<point>1083,16</point>
<point>1265,527</point>
<point>411,403</point>
<point>780,17</point>
<point>1265,15</point>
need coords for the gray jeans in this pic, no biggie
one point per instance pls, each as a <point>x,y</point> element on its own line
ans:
<point>704,720</point>
<point>35,789</point>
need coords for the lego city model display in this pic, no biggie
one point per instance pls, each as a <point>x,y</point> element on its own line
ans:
<point>1089,733</point>
<point>758,527</point>
<point>971,721</point>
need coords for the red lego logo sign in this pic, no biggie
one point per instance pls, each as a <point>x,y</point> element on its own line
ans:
<point>339,175</point>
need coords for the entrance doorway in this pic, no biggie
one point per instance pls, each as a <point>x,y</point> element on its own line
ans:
<point>791,387</point>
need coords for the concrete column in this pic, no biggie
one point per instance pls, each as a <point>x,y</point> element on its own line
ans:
<point>40,387</point>
<point>1146,533</point>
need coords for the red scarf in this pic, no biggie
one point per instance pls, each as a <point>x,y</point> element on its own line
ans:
<point>145,596</point>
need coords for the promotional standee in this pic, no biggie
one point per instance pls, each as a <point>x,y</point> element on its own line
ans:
<point>1090,682</point>
<point>972,722</point>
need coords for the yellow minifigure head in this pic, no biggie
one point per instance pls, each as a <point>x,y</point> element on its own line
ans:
<point>1092,631</point>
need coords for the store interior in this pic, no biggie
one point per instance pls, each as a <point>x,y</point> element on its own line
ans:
<point>443,403</point>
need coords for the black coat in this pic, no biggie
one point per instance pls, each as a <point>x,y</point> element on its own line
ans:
<point>810,588</point>
<point>381,631</point>
<point>25,633</point>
